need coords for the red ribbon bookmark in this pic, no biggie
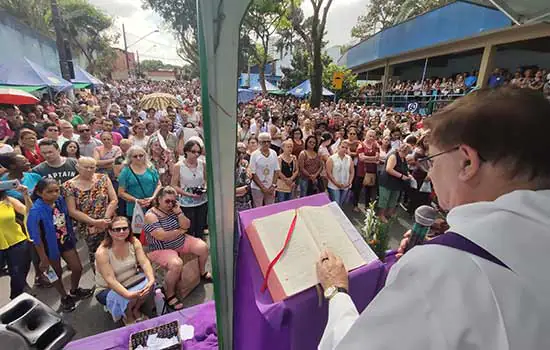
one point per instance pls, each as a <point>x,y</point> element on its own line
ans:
<point>287,240</point>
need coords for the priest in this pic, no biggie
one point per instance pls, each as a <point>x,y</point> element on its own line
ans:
<point>485,283</point>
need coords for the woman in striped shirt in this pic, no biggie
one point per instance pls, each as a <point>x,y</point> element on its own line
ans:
<point>165,229</point>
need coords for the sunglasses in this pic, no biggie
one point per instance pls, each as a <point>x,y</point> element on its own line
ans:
<point>85,130</point>
<point>170,201</point>
<point>195,152</point>
<point>120,229</point>
<point>138,156</point>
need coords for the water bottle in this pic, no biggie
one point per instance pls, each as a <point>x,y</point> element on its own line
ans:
<point>159,302</point>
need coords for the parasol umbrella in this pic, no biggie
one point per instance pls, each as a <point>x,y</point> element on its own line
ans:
<point>158,101</point>
<point>11,96</point>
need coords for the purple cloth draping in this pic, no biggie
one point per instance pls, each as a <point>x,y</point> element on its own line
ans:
<point>202,317</point>
<point>298,322</point>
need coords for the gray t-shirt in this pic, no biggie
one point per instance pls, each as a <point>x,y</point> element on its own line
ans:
<point>62,174</point>
<point>87,149</point>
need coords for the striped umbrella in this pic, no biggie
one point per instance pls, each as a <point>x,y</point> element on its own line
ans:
<point>11,96</point>
<point>158,101</point>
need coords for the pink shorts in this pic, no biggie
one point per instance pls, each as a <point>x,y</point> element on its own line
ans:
<point>163,257</point>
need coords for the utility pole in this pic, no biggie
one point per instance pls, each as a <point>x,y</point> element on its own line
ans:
<point>126,50</point>
<point>138,65</point>
<point>62,48</point>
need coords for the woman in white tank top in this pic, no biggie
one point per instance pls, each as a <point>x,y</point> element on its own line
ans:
<point>340,173</point>
<point>189,180</point>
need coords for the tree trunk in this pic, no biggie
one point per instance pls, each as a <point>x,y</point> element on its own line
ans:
<point>261,67</point>
<point>317,73</point>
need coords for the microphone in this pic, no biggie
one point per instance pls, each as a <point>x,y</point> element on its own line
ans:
<point>424,217</point>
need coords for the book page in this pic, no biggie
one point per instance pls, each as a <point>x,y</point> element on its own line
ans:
<point>355,237</point>
<point>329,234</point>
<point>296,268</point>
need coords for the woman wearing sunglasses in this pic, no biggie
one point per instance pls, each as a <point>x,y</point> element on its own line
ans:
<point>120,258</point>
<point>138,181</point>
<point>166,230</point>
<point>189,180</point>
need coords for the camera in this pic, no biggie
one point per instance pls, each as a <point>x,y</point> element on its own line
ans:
<point>198,190</point>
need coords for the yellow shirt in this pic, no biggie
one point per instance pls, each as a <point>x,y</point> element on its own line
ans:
<point>10,231</point>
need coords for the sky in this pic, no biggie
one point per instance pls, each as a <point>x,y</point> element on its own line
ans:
<point>341,18</point>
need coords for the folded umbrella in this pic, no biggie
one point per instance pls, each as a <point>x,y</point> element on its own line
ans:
<point>159,101</point>
<point>16,97</point>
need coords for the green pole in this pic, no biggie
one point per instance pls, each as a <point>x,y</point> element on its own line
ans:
<point>211,198</point>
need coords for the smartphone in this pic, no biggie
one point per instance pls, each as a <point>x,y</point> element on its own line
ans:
<point>51,275</point>
<point>9,185</point>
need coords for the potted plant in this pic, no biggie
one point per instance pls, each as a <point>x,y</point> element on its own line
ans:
<point>376,232</point>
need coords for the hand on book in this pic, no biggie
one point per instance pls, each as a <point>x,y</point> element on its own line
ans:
<point>331,271</point>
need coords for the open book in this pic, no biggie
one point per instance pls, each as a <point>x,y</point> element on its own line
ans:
<point>317,229</point>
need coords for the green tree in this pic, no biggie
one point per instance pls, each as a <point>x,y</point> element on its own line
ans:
<point>349,86</point>
<point>300,71</point>
<point>318,24</point>
<point>381,14</point>
<point>151,65</point>
<point>261,22</point>
<point>86,27</point>
<point>181,17</point>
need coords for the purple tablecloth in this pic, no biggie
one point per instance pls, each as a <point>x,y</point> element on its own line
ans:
<point>202,317</point>
<point>298,322</point>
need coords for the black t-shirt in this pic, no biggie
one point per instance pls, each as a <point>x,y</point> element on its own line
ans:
<point>62,174</point>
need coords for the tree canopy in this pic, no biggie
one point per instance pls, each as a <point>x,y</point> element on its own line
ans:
<point>381,14</point>
<point>181,17</point>
<point>86,27</point>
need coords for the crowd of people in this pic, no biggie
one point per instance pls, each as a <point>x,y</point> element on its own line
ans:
<point>82,166</point>
<point>288,150</point>
<point>458,84</point>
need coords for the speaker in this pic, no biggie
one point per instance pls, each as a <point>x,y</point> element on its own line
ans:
<point>28,324</point>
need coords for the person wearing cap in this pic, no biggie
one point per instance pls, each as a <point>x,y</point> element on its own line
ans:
<point>264,167</point>
<point>484,283</point>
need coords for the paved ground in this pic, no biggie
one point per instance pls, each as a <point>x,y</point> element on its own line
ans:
<point>89,317</point>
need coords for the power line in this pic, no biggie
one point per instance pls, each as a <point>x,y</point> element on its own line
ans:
<point>153,42</point>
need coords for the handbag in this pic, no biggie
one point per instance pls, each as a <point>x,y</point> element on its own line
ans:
<point>369,180</point>
<point>134,281</point>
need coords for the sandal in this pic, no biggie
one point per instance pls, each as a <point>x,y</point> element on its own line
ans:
<point>207,277</point>
<point>176,306</point>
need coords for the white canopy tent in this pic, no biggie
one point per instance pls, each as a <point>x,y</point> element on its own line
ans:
<point>219,23</point>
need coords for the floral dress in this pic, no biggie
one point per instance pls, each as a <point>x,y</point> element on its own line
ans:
<point>242,179</point>
<point>92,202</point>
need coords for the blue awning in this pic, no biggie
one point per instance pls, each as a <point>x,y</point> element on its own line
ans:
<point>304,89</point>
<point>455,21</point>
<point>24,72</point>
<point>83,77</point>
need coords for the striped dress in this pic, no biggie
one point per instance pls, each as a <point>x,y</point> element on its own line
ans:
<point>166,223</point>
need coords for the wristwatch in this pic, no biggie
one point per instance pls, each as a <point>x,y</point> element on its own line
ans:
<point>333,290</point>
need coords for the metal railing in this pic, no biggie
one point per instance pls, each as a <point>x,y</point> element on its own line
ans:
<point>426,104</point>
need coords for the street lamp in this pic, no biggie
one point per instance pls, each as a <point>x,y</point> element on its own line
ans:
<point>126,46</point>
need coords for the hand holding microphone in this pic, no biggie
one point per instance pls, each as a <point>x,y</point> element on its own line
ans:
<point>424,217</point>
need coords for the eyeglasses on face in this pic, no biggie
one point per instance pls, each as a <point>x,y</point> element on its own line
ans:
<point>428,161</point>
<point>120,229</point>
<point>170,201</point>
<point>265,142</point>
<point>84,130</point>
<point>138,156</point>
<point>195,152</point>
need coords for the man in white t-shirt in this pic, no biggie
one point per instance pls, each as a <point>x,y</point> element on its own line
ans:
<point>264,167</point>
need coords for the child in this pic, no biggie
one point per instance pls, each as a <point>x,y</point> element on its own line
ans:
<point>51,230</point>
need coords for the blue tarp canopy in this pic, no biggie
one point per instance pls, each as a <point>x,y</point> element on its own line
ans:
<point>257,87</point>
<point>245,95</point>
<point>24,72</point>
<point>304,89</point>
<point>83,77</point>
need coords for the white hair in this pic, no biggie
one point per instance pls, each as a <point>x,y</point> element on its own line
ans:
<point>130,155</point>
<point>264,136</point>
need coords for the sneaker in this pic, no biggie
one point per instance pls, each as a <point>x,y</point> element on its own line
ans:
<point>67,304</point>
<point>81,293</point>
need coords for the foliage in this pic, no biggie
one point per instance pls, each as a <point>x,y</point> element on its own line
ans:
<point>86,27</point>
<point>381,14</point>
<point>375,232</point>
<point>181,17</point>
<point>263,19</point>
<point>349,87</point>
<point>301,69</point>
<point>151,65</point>
<point>318,24</point>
